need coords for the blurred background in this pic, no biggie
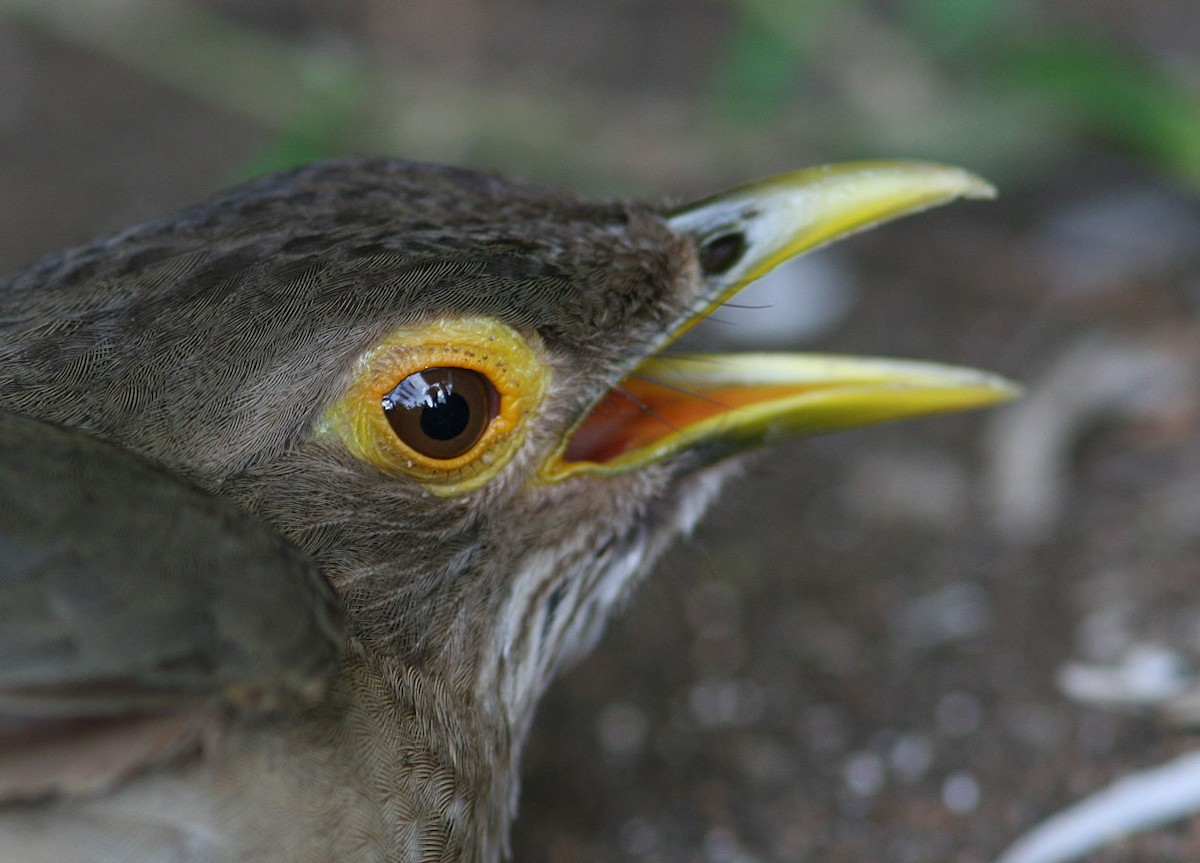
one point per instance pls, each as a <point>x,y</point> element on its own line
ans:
<point>905,644</point>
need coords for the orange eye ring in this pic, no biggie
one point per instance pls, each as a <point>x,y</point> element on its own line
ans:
<point>416,365</point>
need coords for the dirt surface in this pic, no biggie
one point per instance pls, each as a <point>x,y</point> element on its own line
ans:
<point>879,645</point>
<point>858,657</point>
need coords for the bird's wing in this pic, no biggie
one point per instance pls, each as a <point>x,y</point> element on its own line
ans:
<point>134,610</point>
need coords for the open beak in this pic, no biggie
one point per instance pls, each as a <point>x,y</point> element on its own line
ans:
<point>719,405</point>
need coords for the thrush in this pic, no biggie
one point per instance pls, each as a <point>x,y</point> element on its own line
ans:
<point>307,492</point>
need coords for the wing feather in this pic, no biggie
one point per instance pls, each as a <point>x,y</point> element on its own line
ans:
<point>127,594</point>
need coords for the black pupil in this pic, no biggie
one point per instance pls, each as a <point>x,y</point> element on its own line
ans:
<point>446,420</point>
<point>721,253</point>
<point>443,411</point>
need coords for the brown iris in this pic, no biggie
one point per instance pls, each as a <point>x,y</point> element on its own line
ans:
<point>441,412</point>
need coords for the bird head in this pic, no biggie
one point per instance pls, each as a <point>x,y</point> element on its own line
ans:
<point>451,390</point>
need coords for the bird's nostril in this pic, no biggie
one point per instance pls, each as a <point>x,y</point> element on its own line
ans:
<point>719,254</point>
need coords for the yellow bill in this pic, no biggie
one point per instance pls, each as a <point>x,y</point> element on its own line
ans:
<point>719,405</point>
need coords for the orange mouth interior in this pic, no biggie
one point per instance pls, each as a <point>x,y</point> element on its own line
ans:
<point>640,412</point>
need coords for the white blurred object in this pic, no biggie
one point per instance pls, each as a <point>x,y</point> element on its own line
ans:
<point>1147,675</point>
<point>1095,378</point>
<point>1121,238</point>
<point>1149,798</point>
<point>800,299</point>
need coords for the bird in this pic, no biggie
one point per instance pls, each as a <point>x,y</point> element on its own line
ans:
<point>308,491</point>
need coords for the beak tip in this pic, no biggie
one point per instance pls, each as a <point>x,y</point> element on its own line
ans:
<point>952,182</point>
<point>1010,390</point>
<point>976,188</point>
<point>1000,389</point>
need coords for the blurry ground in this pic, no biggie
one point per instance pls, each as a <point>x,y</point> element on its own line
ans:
<point>862,655</point>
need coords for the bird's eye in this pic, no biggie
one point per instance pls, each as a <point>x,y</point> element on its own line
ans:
<point>446,402</point>
<point>442,412</point>
<point>719,254</point>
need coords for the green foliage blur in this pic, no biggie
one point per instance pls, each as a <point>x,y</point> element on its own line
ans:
<point>988,82</point>
<point>1013,88</point>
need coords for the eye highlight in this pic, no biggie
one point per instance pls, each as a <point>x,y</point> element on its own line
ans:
<point>442,412</point>
<point>446,403</point>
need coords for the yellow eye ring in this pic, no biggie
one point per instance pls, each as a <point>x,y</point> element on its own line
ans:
<point>478,348</point>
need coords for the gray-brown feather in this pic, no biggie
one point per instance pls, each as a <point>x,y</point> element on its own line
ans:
<point>210,342</point>
<point>124,588</point>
